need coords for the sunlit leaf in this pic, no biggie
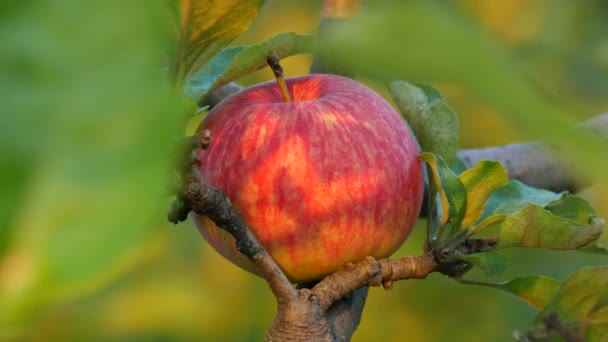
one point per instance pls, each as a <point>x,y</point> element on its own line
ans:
<point>480,181</point>
<point>237,62</point>
<point>533,226</point>
<point>581,304</point>
<point>491,263</point>
<point>451,191</point>
<point>433,121</point>
<point>535,290</point>
<point>205,27</point>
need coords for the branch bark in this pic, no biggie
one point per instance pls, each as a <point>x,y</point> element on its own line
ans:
<point>538,164</point>
<point>195,194</point>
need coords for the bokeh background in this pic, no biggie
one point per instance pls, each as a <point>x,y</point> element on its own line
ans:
<point>86,131</point>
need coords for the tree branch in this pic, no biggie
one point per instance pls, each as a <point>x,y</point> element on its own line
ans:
<point>331,310</point>
<point>372,272</point>
<point>195,194</point>
<point>537,164</point>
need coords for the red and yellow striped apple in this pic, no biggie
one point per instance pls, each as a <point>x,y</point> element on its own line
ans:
<point>329,178</point>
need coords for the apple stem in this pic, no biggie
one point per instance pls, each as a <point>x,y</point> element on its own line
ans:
<point>277,70</point>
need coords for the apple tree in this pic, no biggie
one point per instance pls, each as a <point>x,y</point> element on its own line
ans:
<point>475,208</point>
<point>107,121</point>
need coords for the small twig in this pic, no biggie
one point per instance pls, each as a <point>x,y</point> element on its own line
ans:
<point>553,322</point>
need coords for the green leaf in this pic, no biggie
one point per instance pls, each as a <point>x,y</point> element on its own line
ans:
<point>581,304</point>
<point>491,263</point>
<point>533,226</point>
<point>535,290</point>
<point>434,123</point>
<point>489,221</point>
<point>596,248</point>
<point>458,165</point>
<point>205,27</point>
<point>203,80</point>
<point>516,195</point>
<point>573,208</point>
<point>452,193</point>
<point>479,182</point>
<point>234,63</point>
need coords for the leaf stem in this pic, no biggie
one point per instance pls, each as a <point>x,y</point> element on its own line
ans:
<point>478,283</point>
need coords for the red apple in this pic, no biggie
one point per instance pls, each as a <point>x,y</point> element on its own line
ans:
<point>327,179</point>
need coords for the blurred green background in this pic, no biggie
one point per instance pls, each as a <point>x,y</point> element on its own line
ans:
<point>86,136</point>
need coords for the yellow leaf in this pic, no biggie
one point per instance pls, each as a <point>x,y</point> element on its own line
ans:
<point>431,160</point>
<point>205,27</point>
<point>202,21</point>
<point>479,182</point>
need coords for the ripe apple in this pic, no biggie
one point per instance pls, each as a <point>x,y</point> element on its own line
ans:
<point>327,179</point>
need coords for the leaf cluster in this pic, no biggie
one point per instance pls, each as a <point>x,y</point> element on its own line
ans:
<point>482,201</point>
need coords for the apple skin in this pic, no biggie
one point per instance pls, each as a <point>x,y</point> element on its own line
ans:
<point>327,179</point>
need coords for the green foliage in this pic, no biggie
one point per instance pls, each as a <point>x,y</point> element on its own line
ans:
<point>491,263</point>
<point>204,28</point>
<point>535,226</point>
<point>463,197</point>
<point>480,182</point>
<point>234,63</point>
<point>515,196</point>
<point>580,304</point>
<point>597,248</point>
<point>434,123</point>
<point>88,139</point>
<point>523,217</point>
<point>88,144</point>
<point>563,222</point>
<point>535,290</point>
<point>451,191</point>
